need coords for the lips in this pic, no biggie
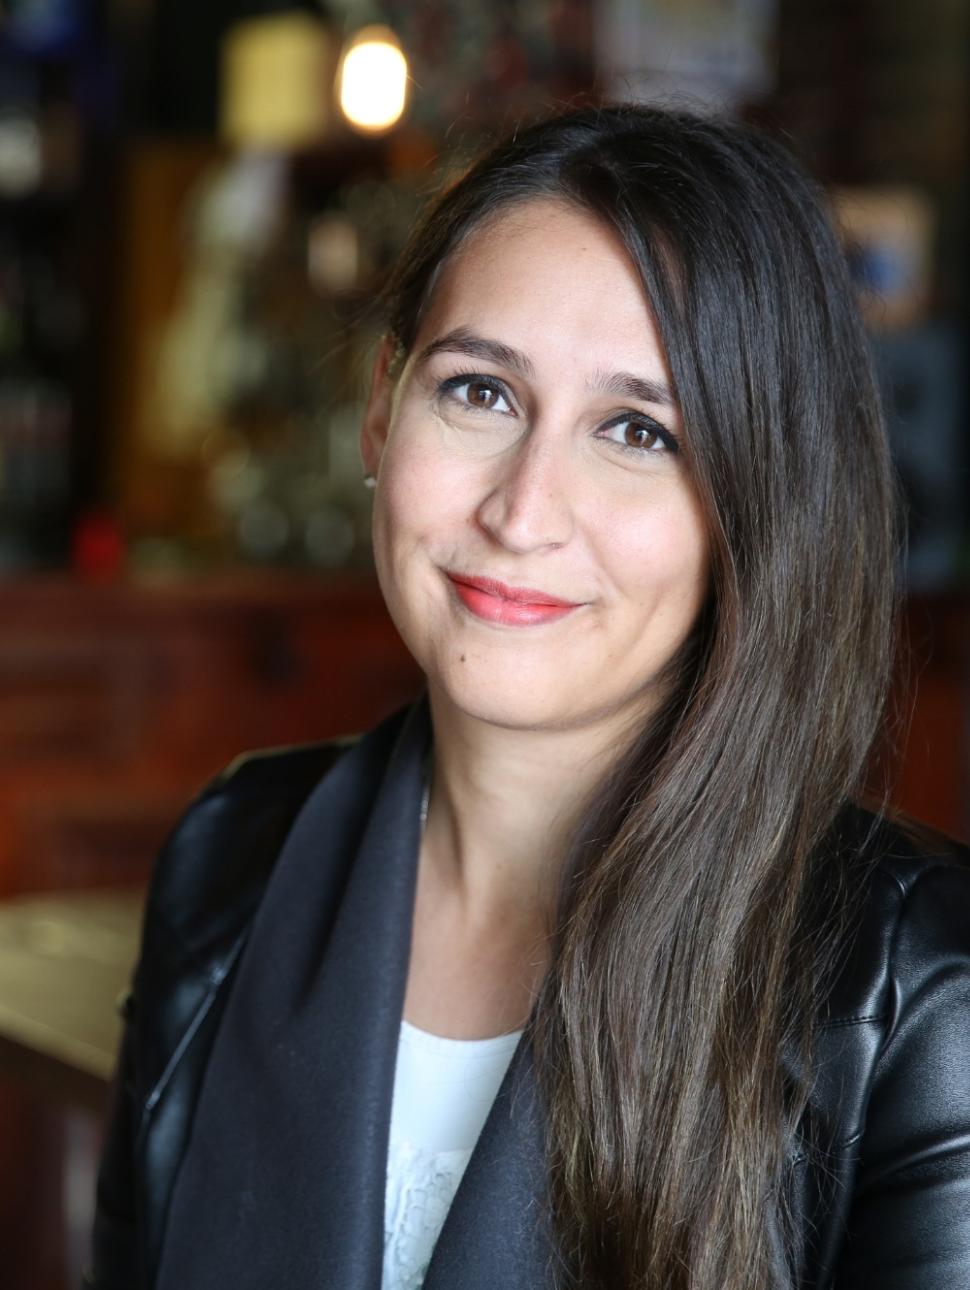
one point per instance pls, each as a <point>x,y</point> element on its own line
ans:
<point>497,602</point>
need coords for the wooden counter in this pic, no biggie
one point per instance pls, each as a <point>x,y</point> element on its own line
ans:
<point>65,960</point>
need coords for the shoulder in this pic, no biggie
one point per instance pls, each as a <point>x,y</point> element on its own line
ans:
<point>906,888</point>
<point>893,1063</point>
<point>210,873</point>
<point>890,1059</point>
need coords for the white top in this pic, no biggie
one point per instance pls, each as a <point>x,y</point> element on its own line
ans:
<point>443,1091</point>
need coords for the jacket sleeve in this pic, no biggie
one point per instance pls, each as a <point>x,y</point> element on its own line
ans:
<point>113,1261</point>
<point>206,884</point>
<point>909,1228</point>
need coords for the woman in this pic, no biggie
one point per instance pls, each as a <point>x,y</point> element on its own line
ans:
<point>634,518</point>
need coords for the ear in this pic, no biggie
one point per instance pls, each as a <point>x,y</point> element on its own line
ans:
<point>377,415</point>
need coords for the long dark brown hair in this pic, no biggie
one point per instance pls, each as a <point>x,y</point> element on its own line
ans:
<point>690,955</point>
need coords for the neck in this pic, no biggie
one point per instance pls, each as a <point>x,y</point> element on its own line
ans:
<point>503,805</point>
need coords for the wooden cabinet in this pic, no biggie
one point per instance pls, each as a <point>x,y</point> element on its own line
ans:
<point>118,702</point>
<point>929,729</point>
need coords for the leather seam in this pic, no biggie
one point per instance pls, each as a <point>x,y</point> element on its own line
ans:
<point>152,1098</point>
<point>842,1144</point>
<point>854,1021</point>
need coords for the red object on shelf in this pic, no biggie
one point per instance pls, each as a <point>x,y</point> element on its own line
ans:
<point>98,549</point>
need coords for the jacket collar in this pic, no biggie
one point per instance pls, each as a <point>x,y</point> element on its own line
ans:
<point>284,1174</point>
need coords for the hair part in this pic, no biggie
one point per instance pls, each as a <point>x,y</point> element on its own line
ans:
<point>699,920</point>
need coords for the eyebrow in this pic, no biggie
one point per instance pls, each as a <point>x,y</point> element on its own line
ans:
<point>463,341</point>
<point>623,384</point>
<point>628,386</point>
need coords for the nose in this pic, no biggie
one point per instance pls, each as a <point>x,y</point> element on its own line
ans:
<point>528,506</point>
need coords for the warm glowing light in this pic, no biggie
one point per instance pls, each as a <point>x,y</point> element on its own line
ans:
<point>373,80</point>
<point>274,82</point>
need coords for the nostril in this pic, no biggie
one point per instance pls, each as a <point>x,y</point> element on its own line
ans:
<point>528,507</point>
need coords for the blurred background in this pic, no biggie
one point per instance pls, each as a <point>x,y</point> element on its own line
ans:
<point>199,203</point>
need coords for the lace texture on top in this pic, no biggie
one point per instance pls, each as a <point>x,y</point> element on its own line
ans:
<point>420,1188</point>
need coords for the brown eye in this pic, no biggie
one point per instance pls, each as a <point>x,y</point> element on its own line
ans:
<point>482,395</point>
<point>639,436</point>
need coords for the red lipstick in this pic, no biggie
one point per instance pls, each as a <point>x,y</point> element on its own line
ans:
<point>496,602</point>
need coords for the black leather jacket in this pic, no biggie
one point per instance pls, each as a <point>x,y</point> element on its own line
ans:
<point>883,1203</point>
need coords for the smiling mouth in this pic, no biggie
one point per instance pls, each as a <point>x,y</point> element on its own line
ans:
<point>496,602</point>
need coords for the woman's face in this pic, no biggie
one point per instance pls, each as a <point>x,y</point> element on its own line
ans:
<point>537,534</point>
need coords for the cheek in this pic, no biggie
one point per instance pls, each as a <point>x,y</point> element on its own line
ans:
<point>399,504</point>
<point>424,495</point>
<point>658,555</point>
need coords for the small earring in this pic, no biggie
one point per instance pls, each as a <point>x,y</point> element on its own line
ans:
<point>370,481</point>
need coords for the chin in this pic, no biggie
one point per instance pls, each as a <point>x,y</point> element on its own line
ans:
<point>507,714</point>
<point>492,695</point>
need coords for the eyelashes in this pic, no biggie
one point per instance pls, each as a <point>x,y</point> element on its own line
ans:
<point>484,385</point>
<point>480,394</point>
<point>663,440</point>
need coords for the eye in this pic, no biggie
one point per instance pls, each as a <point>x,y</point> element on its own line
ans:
<point>639,434</point>
<point>481,393</point>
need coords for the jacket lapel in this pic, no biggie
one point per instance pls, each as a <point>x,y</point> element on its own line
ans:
<point>284,1176</point>
<point>496,1231</point>
<point>283,1179</point>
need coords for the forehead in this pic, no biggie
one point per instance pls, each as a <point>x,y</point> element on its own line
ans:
<point>548,278</point>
